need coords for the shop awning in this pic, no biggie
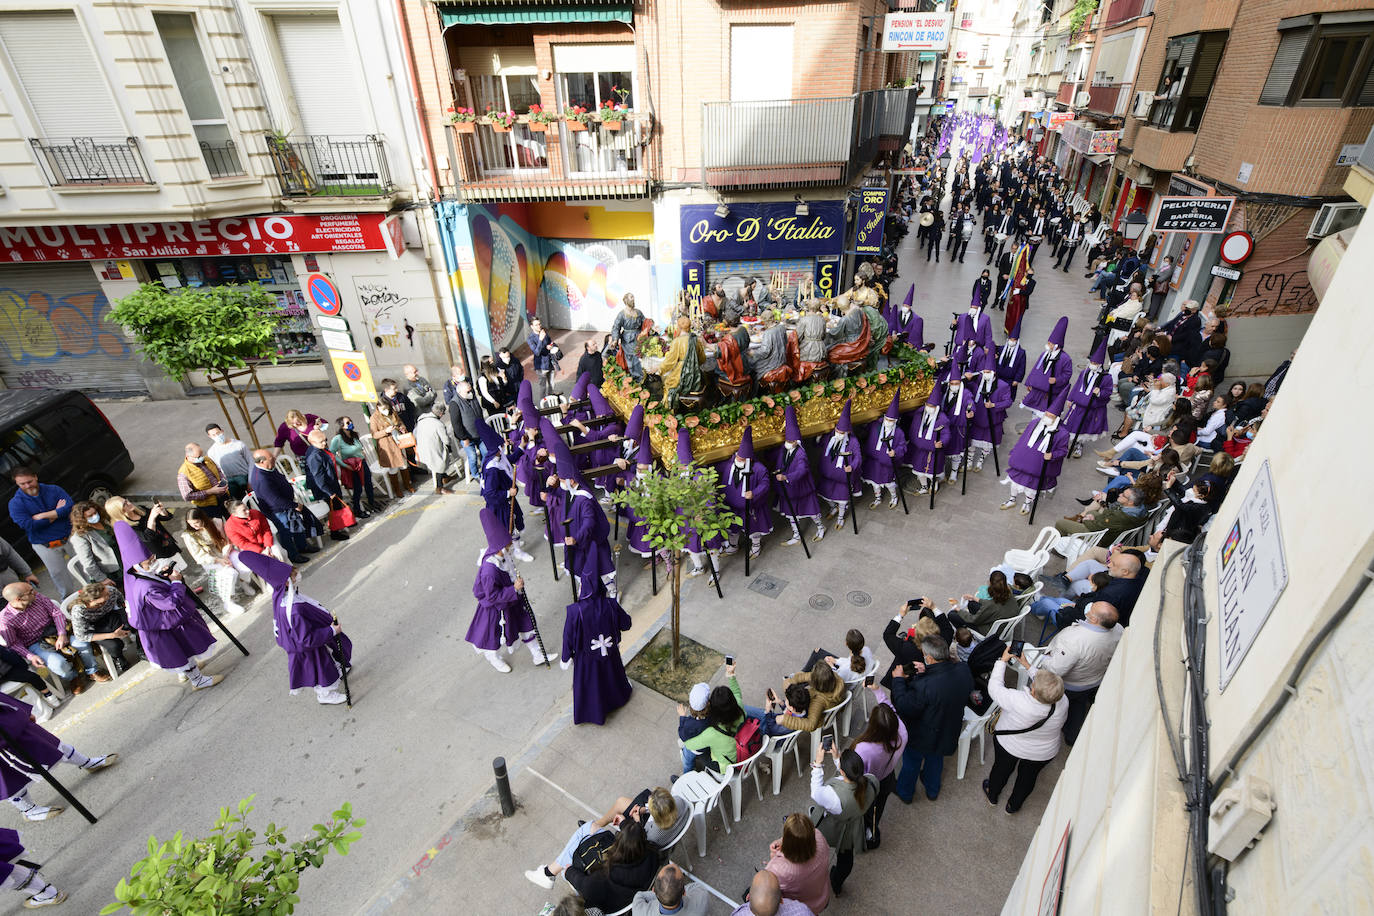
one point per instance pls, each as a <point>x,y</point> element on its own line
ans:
<point>1096,159</point>
<point>502,13</point>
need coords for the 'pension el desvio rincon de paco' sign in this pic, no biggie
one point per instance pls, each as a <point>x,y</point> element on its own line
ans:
<point>1193,214</point>
<point>758,231</point>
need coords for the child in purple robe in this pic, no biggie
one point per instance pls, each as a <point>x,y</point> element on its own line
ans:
<point>307,631</point>
<point>637,532</point>
<point>839,467</point>
<point>1011,360</point>
<point>745,484</point>
<point>884,448</point>
<point>957,404</point>
<point>43,748</point>
<point>1086,419</point>
<point>20,875</point>
<point>991,401</point>
<point>796,489</point>
<point>627,454</point>
<point>927,443</point>
<point>502,619</point>
<point>1037,458</point>
<point>163,613</point>
<point>582,529</point>
<point>498,489</point>
<point>591,646</point>
<point>1052,372</point>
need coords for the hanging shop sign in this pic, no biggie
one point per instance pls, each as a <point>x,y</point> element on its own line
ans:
<point>756,231</point>
<point>827,270</point>
<point>916,31</point>
<point>868,223</point>
<point>1193,214</point>
<point>278,234</point>
<point>1059,118</point>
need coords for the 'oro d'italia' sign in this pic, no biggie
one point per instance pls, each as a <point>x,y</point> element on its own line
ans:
<point>756,231</point>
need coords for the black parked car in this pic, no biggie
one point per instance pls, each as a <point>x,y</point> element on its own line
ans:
<point>66,439</point>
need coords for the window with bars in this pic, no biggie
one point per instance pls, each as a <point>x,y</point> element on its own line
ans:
<point>1323,59</point>
<point>1190,70</point>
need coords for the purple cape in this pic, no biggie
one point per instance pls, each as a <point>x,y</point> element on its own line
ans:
<point>1025,462</point>
<point>913,327</point>
<point>1011,369</point>
<point>38,741</point>
<point>308,639</point>
<point>959,422</point>
<point>922,454</point>
<point>754,517</point>
<point>10,848</point>
<point>591,641</point>
<point>878,467</point>
<point>1088,416</point>
<point>501,616</point>
<point>1039,392</point>
<point>836,485</point>
<point>496,484</point>
<point>590,557</point>
<point>981,332</point>
<point>799,485</point>
<point>1001,401</point>
<point>168,622</point>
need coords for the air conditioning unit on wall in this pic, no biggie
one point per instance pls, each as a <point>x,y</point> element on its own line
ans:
<point>1081,100</point>
<point>1143,102</point>
<point>1332,218</point>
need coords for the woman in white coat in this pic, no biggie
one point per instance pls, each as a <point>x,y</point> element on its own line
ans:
<point>1029,731</point>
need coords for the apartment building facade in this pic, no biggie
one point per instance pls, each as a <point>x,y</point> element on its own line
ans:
<point>207,144</point>
<point>674,145</point>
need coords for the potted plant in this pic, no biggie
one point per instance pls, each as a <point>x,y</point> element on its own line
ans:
<point>613,113</point>
<point>539,119</point>
<point>500,121</point>
<point>464,119</point>
<point>576,117</point>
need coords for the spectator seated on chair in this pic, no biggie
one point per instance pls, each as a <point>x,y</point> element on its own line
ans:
<point>801,860</point>
<point>1080,655</point>
<point>991,603</point>
<point>1126,569</point>
<point>693,719</point>
<point>609,880</point>
<point>92,540</point>
<point>803,711</point>
<point>248,529</point>
<point>32,624</point>
<point>714,745</point>
<point>14,667</point>
<point>852,668</point>
<point>672,894</point>
<point>1127,512</point>
<point>100,618</point>
<point>766,899</point>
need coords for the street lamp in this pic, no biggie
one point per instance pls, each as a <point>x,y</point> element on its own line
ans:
<point>1134,225</point>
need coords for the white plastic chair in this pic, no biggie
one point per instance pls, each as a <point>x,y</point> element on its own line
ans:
<point>734,779</point>
<point>390,478</point>
<point>702,791</point>
<point>1131,536</point>
<point>855,690</point>
<point>1026,598</point>
<point>673,842</point>
<point>776,749</point>
<point>500,423</point>
<point>1073,546</point>
<point>554,400</point>
<point>75,570</point>
<point>1004,628</point>
<point>25,693</point>
<point>975,726</point>
<point>827,724</point>
<point>1032,560</point>
<point>837,716</point>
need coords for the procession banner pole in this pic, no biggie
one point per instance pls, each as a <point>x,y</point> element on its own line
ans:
<point>36,768</point>
<point>343,664</point>
<point>963,464</point>
<point>548,531</point>
<point>715,577</point>
<point>901,493</point>
<point>567,555</point>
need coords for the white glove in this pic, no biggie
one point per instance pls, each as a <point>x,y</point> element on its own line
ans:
<point>565,665</point>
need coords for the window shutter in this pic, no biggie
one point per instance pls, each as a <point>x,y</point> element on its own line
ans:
<point>319,67</point>
<point>59,74</point>
<point>1286,61</point>
<point>1366,96</point>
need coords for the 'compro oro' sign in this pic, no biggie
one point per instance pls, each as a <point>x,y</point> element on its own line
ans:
<point>1193,214</point>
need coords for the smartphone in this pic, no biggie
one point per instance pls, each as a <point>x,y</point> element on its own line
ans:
<point>827,743</point>
<point>729,660</point>
<point>869,681</point>
<point>1018,646</point>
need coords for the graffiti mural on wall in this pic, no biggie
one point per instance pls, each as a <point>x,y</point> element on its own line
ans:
<point>1277,292</point>
<point>573,284</point>
<point>36,328</point>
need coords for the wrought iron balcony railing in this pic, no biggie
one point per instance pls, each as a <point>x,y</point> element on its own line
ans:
<point>91,161</point>
<point>330,166</point>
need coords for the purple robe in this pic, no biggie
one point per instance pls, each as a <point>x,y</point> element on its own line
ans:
<point>496,484</point>
<point>10,848</point>
<point>926,451</point>
<point>799,487</point>
<point>40,744</point>
<point>308,639</point>
<point>835,483</point>
<point>1039,392</point>
<point>959,422</point>
<point>1026,460</point>
<point>629,451</point>
<point>880,469</point>
<point>1001,401</point>
<point>753,513</point>
<point>1011,367</point>
<point>591,641</point>
<point>636,531</point>
<point>913,327</point>
<point>534,476</point>
<point>980,331</point>
<point>597,457</point>
<point>167,620</point>
<point>1088,414</point>
<point>967,357</point>
<point>590,557</point>
<point>501,615</point>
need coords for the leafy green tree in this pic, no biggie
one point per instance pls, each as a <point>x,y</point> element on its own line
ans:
<point>210,328</point>
<point>233,872</point>
<point>674,502</point>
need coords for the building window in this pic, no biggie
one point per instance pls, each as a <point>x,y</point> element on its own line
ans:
<point>591,76</point>
<point>1323,60</point>
<point>198,93</point>
<point>1190,69</point>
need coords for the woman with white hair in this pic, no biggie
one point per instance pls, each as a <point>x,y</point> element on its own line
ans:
<point>1028,734</point>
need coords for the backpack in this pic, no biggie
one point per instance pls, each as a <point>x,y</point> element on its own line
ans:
<point>748,740</point>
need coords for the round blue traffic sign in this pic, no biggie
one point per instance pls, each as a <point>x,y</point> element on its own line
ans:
<point>323,293</point>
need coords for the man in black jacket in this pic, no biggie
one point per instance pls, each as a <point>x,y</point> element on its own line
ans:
<point>904,650</point>
<point>931,702</point>
<point>465,413</point>
<point>1127,573</point>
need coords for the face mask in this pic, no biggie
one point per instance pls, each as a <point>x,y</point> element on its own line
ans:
<point>199,459</point>
<point>322,426</point>
<point>93,519</point>
<point>218,437</point>
<point>348,426</point>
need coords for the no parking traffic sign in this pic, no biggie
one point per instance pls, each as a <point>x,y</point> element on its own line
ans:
<point>323,293</point>
<point>355,378</point>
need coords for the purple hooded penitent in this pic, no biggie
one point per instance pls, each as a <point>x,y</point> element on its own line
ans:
<point>163,612</point>
<point>303,627</point>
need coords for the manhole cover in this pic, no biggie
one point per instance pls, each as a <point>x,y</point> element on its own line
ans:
<point>767,585</point>
<point>822,602</point>
<point>859,599</point>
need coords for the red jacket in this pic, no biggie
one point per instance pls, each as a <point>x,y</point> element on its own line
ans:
<point>251,533</point>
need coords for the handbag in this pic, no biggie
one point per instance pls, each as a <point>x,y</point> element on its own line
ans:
<point>340,516</point>
<point>992,724</point>
<point>404,440</point>
<point>591,851</point>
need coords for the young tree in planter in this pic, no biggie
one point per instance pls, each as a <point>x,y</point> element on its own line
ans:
<point>232,872</point>
<point>675,502</point>
<point>214,329</point>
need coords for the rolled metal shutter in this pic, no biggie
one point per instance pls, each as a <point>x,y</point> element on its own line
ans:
<point>54,333</point>
<point>734,273</point>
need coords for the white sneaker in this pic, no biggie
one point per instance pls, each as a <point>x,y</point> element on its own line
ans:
<point>499,664</point>
<point>332,698</point>
<point>43,812</point>
<point>729,551</point>
<point>1025,508</point>
<point>754,552</point>
<point>539,877</point>
<point>820,534</point>
<point>1008,504</point>
<point>924,490</point>
<point>876,503</point>
<point>521,555</point>
<point>892,503</point>
<point>978,466</point>
<point>538,657</point>
<point>792,541</point>
<point>696,571</point>
<point>48,896</point>
<point>234,609</point>
<point>101,763</point>
<point>205,681</point>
